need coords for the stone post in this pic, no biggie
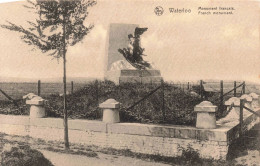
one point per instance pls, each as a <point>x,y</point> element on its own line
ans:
<point>234,113</point>
<point>206,117</point>
<point>255,100</point>
<point>233,101</point>
<point>37,109</point>
<point>110,111</point>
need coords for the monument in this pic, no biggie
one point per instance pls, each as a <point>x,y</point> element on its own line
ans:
<point>126,62</point>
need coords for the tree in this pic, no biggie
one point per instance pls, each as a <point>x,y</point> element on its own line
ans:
<point>60,24</point>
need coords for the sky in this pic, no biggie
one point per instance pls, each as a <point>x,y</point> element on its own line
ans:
<point>182,46</point>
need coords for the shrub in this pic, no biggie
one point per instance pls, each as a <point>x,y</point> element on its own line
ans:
<point>83,104</point>
<point>190,156</point>
<point>22,155</point>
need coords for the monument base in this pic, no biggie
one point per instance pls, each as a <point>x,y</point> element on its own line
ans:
<point>134,76</point>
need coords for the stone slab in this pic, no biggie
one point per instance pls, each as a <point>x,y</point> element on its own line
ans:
<point>223,133</point>
<point>13,119</point>
<point>129,79</point>
<point>134,76</point>
<point>173,131</point>
<point>141,73</point>
<point>208,109</point>
<point>145,73</point>
<point>110,103</point>
<point>88,125</point>
<point>140,144</point>
<point>75,124</point>
<point>136,73</point>
<point>151,80</point>
<point>117,38</point>
<point>35,102</point>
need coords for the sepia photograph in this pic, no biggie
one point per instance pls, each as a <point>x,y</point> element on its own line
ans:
<point>129,82</point>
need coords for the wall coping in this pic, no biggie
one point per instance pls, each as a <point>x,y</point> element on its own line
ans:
<point>226,133</point>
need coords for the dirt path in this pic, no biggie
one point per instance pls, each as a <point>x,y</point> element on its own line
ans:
<point>252,158</point>
<point>61,159</point>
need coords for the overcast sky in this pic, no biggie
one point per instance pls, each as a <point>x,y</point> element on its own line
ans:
<point>182,46</point>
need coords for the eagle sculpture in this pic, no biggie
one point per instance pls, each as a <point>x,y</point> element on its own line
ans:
<point>133,53</point>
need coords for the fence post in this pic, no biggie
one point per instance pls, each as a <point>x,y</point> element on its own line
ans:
<point>188,85</point>
<point>244,87</point>
<point>221,96</point>
<point>163,102</point>
<point>39,87</point>
<point>72,88</point>
<point>201,87</point>
<point>235,88</point>
<point>241,118</point>
<point>97,99</point>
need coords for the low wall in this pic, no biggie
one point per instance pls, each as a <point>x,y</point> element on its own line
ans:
<point>165,140</point>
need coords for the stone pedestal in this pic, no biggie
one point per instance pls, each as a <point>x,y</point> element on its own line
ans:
<point>233,101</point>
<point>206,118</point>
<point>37,109</point>
<point>255,100</point>
<point>110,111</point>
<point>134,76</point>
<point>233,115</point>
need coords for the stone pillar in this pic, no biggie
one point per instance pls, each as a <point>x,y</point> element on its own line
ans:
<point>236,102</point>
<point>248,103</point>
<point>233,114</point>
<point>206,117</point>
<point>110,111</point>
<point>37,109</point>
<point>255,100</point>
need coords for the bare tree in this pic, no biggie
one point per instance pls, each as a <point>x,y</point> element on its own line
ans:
<point>60,25</point>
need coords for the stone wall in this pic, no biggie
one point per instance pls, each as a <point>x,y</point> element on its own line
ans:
<point>162,140</point>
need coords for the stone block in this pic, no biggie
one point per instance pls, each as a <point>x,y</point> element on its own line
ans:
<point>140,138</point>
<point>255,100</point>
<point>117,38</point>
<point>35,102</point>
<point>232,100</point>
<point>206,117</point>
<point>147,73</point>
<point>48,122</point>
<point>129,79</point>
<point>37,111</point>
<point>205,106</point>
<point>110,111</point>
<point>146,80</point>
<point>132,73</point>
<point>87,125</point>
<point>246,97</point>
<point>134,76</point>
<point>211,135</point>
<point>130,128</point>
<point>111,116</point>
<point>151,80</point>
<point>110,103</point>
<point>14,119</point>
<point>185,133</point>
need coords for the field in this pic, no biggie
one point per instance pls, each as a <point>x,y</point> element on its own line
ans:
<point>18,90</point>
<point>227,86</point>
